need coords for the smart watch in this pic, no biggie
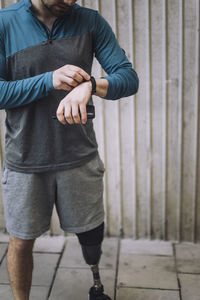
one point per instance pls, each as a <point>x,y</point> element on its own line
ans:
<point>93,81</point>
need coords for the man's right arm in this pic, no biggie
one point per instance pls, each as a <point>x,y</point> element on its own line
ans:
<point>18,93</point>
<point>21,92</point>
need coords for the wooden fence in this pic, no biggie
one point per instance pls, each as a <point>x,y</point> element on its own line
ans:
<point>150,143</point>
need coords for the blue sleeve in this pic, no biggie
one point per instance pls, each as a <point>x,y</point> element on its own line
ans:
<point>123,80</point>
<point>21,92</point>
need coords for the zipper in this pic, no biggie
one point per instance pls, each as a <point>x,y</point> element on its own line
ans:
<point>48,32</point>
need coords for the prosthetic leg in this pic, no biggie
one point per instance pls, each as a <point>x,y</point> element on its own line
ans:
<point>91,247</point>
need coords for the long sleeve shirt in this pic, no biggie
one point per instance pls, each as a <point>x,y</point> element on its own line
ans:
<point>29,53</point>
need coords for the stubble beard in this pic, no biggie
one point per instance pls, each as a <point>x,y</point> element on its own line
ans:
<point>53,11</point>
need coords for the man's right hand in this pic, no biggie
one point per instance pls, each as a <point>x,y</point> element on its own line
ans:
<point>68,77</point>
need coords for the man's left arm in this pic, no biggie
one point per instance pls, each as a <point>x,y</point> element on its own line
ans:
<point>121,81</point>
<point>122,78</point>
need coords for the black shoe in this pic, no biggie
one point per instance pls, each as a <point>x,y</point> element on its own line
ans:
<point>97,294</point>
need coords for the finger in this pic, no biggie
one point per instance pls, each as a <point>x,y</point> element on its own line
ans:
<point>83,113</point>
<point>81,72</point>
<point>65,87</point>
<point>74,74</point>
<point>85,75</point>
<point>75,114</point>
<point>68,80</point>
<point>60,113</point>
<point>68,114</point>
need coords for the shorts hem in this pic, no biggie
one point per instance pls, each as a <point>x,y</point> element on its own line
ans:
<point>26,236</point>
<point>83,228</point>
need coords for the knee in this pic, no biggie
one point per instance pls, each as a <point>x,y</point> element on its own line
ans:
<point>92,237</point>
<point>20,246</point>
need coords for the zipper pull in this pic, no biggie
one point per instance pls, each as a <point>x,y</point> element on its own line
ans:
<point>50,38</point>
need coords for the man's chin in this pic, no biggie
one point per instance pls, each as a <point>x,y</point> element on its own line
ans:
<point>58,13</point>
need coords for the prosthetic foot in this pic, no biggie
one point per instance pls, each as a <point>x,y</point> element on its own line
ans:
<point>96,292</point>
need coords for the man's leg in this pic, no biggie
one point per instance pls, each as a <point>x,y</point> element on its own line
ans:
<point>20,267</point>
<point>91,247</point>
<point>80,202</point>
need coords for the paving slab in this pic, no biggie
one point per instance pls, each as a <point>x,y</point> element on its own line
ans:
<point>72,256</point>
<point>147,271</point>
<point>4,238</point>
<point>146,247</point>
<point>188,257</point>
<point>44,268</point>
<point>4,273</point>
<point>75,283</point>
<point>142,294</point>
<point>37,292</point>
<point>190,286</point>
<point>49,244</point>
<point>3,248</point>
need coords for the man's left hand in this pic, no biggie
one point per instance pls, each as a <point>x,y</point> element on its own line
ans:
<point>72,109</point>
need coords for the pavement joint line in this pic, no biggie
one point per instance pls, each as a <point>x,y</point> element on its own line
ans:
<point>43,285</point>
<point>83,268</point>
<point>179,284</point>
<point>117,267</point>
<point>188,273</point>
<point>46,252</point>
<point>178,280</point>
<point>56,269</point>
<point>3,256</point>
<point>145,288</point>
<point>146,254</point>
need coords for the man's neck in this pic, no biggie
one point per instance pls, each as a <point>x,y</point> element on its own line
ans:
<point>42,13</point>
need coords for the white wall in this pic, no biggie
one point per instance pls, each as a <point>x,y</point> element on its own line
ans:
<point>150,143</point>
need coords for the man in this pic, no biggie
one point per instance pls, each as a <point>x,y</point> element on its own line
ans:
<point>46,53</point>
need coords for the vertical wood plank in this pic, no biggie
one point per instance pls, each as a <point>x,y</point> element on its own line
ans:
<point>149,117</point>
<point>158,118</point>
<point>164,117</point>
<point>132,57</point>
<point>196,205</point>
<point>112,143</point>
<point>189,137</point>
<point>180,118</point>
<point>127,129</point>
<point>173,143</point>
<point>141,45</point>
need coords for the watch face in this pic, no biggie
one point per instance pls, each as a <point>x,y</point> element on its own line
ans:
<point>90,111</point>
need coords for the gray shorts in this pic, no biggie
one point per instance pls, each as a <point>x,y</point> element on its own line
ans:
<point>77,194</point>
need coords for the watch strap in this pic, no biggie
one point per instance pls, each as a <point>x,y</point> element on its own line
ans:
<point>93,81</point>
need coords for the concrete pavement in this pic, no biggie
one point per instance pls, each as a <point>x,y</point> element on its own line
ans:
<point>130,270</point>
